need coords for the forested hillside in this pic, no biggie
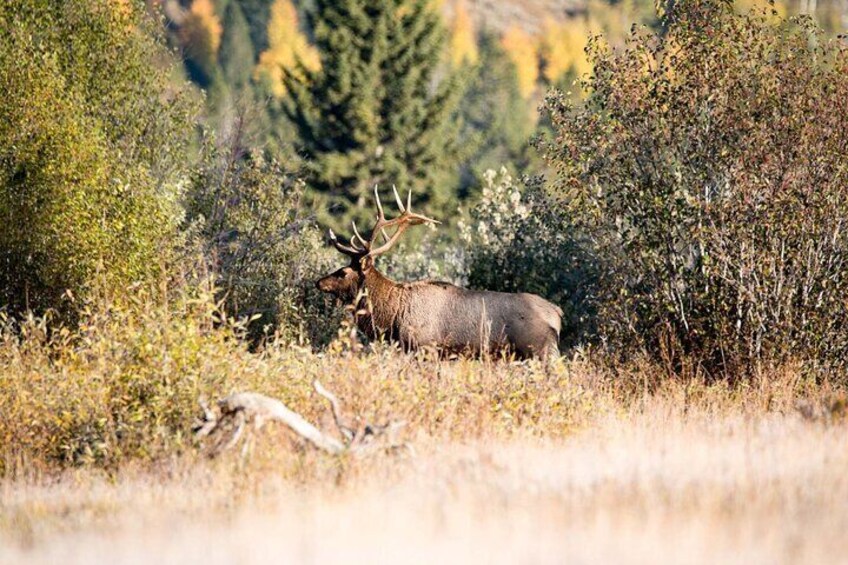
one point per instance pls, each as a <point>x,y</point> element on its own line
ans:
<point>506,53</point>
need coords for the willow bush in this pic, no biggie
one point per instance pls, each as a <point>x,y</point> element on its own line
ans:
<point>709,170</point>
<point>94,145</point>
<point>262,244</point>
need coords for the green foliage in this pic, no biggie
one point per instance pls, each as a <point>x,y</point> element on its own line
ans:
<point>93,148</point>
<point>257,13</point>
<point>516,241</point>
<point>371,115</point>
<point>237,51</point>
<point>708,168</point>
<point>262,243</point>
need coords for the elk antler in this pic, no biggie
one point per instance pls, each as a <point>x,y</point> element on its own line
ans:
<point>360,247</point>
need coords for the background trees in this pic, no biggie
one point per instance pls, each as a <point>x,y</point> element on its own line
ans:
<point>371,114</point>
<point>497,112</point>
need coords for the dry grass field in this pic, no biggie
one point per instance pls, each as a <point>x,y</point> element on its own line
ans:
<point>511,464</point>
<point>683,206</point>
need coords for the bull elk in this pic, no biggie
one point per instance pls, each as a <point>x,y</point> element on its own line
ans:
<point>436,314</point>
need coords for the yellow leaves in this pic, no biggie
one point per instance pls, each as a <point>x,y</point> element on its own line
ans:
<point>201,33</point>
<point>286,46</point>
<point>204,12</point>
<point>437,6</point>
<point>562,48</point>
<point>124,11</point>
<point>521,47</point>
<point>776,9</point>
<point>559,50</point>
<point>463,39</point>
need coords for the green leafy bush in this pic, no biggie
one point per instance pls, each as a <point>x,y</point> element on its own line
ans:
<point>262,244</point>
<point>93,148</point>
<point>708,168</point>
<point>516,241</point>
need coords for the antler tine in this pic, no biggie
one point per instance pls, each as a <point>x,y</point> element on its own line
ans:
<point>403,222</point>
<point>397,197</point>
<point>379,204</point>
<point>350,250</point>
<point>359,246</point>
<point>365,244</point>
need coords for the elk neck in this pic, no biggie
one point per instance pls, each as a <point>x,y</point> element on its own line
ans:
<point>385,303</point>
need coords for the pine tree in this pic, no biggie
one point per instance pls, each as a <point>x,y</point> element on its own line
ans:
<point>257,13</point>
<point>372,114</point>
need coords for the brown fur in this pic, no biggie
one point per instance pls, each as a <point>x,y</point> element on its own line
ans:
<point>447,317</point>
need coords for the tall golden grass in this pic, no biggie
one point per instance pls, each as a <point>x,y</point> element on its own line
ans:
<point>576,460</point>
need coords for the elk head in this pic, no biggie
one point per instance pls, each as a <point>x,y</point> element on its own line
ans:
<point>346,282</point>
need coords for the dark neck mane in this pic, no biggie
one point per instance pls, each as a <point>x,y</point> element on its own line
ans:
<point>383,306</point>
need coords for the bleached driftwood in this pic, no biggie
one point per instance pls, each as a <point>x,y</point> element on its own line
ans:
<point>242,411</point>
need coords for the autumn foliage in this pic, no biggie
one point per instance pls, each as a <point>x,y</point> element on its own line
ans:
<point>523,51</point>
<point>707,172</point>
<point>463,39</point>
<point>287,47</point>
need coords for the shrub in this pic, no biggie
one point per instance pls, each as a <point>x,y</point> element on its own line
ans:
<point>433,255</point>
<point>517,242</point>
<point>93,146</point>
<point>262,244</point>
<point>708,169</point>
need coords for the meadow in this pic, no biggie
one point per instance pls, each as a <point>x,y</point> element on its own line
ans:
<point>168,170</point>
<point>574,461</point>
<point>510,464</point>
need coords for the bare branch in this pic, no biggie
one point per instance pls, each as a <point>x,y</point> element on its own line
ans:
<point>240,409</point>
<point>273,410</point>
<point>335,407</point>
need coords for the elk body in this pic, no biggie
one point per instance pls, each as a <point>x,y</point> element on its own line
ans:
<point>436,314</point>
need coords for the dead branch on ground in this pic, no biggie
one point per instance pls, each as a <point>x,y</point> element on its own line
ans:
<point>248,412</point>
